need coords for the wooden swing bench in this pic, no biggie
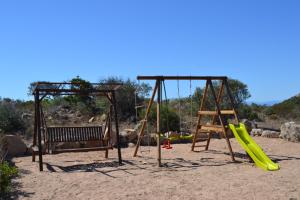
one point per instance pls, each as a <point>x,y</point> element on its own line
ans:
<point>55,135</point>
<point>52,135</point>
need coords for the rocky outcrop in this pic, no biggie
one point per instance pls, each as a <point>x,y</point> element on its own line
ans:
<point>13,145</point>
<point>270,134</point>
<point>290,131</point>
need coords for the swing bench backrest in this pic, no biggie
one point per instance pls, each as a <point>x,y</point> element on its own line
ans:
<point>74,134</point>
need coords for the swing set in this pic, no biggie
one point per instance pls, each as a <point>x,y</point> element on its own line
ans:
<point>218,117</point>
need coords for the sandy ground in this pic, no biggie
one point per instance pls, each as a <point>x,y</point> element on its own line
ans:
<point>185,175</point>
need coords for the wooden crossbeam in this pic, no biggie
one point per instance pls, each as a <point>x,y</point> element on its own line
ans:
<point>223,112</point>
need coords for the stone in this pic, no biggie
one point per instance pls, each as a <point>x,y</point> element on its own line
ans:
<point>149,139</point>
<point>249,124</point>
<point>91,119</point>
<point>78,114</point>
<point>26,115</point>
<point>131,145</point>
<point>290,131</point>
<point>256,132</point>
<point>270,134</point>
<point>14,145</point>
<point>103,118</point>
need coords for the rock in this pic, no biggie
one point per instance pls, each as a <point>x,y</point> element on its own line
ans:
<point>149,139</point>
<point>91,119</point>
<point>290,131</point>
<point>14,145</point>
<point>256,132</point>
<point>26,115</point>
<point>78,114</point>
<point>270,134</point>
<point>249,124</point>
<point>131,145</point>
<point>103,118</point>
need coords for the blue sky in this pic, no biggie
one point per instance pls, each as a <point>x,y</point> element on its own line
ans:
<point>257,42</point>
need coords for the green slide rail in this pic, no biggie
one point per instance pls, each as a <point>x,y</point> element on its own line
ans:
<point>255,152</point>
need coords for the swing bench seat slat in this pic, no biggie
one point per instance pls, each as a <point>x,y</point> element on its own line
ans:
<point>83,149</point>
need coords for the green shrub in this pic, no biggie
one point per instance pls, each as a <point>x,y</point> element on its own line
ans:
<point>246,112</point>
<point>10,118</point>
<point>169,119</point>
<point>7,173</point>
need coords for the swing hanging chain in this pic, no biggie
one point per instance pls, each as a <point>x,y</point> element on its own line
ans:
<point>167,107</point>
<point>179,99</point>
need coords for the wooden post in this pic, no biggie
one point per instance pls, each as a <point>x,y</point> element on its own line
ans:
<point>215,117</point>
<point>232,101</point>
<point>38,117</point>
<point>34,130</point>
<point>199,117</point>
<point>221,118</point>
<point>117,127</point>
<point>108,127</point>
<point>141,134</point>
<point>159,94</point>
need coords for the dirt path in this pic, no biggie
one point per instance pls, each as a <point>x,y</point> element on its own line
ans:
<point>185,175</point>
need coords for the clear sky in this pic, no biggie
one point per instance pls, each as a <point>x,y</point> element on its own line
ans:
<point>257,42</point>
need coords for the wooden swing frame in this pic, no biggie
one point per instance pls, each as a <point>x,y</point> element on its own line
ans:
<point>217,114</point>
<point>44,89</point>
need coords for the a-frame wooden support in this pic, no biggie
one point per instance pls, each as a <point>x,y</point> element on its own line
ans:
<point>217,115</point>
<point>157,90</point>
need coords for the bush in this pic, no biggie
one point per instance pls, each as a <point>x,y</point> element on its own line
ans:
<point>10,118</point>
<point>169,119</point>
<point>246,112</point>
<point>7,173</point>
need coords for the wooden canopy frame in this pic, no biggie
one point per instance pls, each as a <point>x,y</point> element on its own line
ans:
<point>43,89</point>
<point>217,114</point>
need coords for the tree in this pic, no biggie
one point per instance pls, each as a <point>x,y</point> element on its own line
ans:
<point>83,85</point>
<point>126,95</point>
<point>239,91</point>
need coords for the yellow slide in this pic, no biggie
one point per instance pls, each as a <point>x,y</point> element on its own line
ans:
<point>255,152</point>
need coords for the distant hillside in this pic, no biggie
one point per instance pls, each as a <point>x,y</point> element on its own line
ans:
<point>288,109</point>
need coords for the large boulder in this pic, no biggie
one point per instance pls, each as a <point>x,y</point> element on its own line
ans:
<point>256,132</point>
<point>270,134</point>
<point>149,139</point>
<point>249,124</point>
<point>290,131</point>
<point>13,145</point>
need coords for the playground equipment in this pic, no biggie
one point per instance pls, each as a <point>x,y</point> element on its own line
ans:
<point>218,124</point>
<point>254,151</point>
<point>55,134</point>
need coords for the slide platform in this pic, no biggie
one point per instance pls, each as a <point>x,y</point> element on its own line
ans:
<point>254,151</point>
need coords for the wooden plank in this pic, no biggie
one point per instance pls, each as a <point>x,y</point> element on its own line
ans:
<point>83,149</point>
<point>214,128</point>
<point>223,112</point>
